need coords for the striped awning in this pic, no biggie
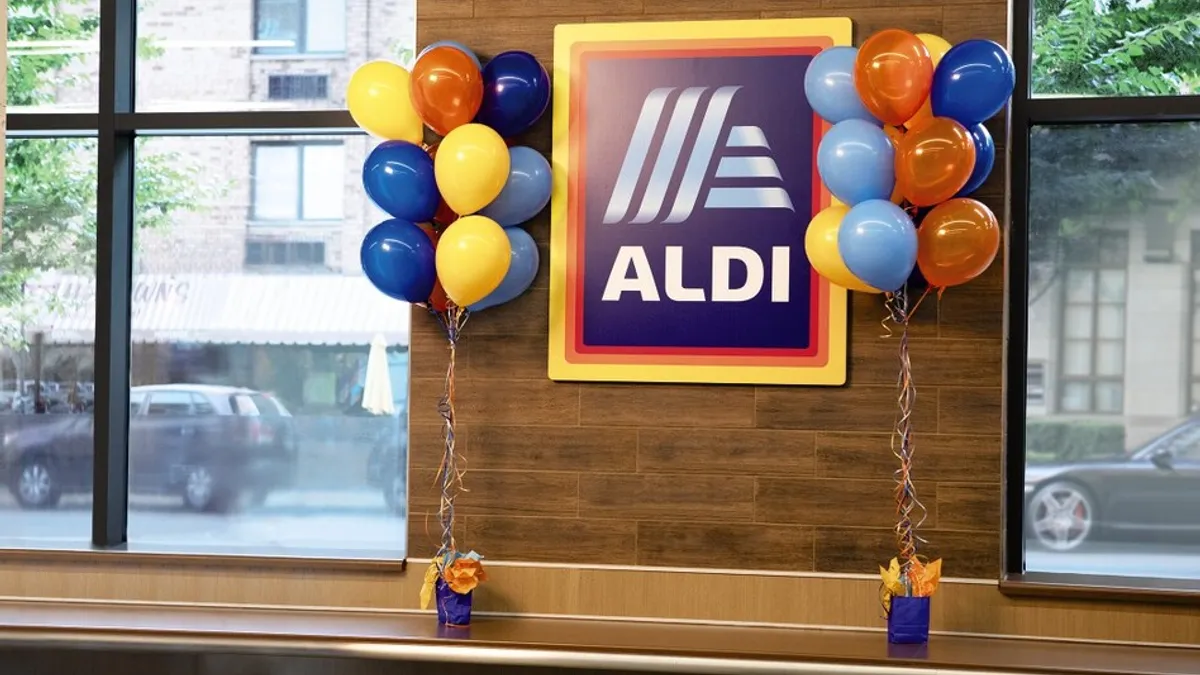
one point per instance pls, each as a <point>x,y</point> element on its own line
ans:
<point>228,309</point>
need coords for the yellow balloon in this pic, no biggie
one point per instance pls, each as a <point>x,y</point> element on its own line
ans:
<point>473,255</point>
<point>471,167</point>
<point>937,46</point>
<point>379,101</point>
<point>821,245</point>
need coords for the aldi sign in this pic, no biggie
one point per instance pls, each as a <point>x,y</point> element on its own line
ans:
<point>685,177</point>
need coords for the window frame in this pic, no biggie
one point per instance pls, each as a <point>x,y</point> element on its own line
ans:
<point>1026,112</point>
<point>117,125</point>
<point>301,48</point>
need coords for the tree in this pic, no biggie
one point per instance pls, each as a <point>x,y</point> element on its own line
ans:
<point>1083,176</point>
<point>50,184</point>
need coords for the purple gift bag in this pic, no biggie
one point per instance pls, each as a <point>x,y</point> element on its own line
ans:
<point>454,609</point>
<point>908,620</point>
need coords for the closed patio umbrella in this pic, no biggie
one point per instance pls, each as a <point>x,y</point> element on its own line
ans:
<point>377,391</point>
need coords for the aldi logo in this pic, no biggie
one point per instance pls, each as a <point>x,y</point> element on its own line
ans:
<point>685,178</point>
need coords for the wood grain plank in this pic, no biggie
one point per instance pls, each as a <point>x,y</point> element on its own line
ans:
<point>491,35</point>
<point>862,550</point>
<point>509,357</point>
<point>970,410</point>
<point>867,314</point>
<point>425,533</point>
<point>544,8</point>
<point>425,444</point>
<point>696,8</point>
<point>553,448</point>
<point>558,540</point>
<point>445,9</point>
<point>822,501</point>
<point>726,546</point>
<point>515,402</point>
<point>969,506</point>
<point>855,408</point>
<point>978,20</point>
<point>677,497</point>
<point>661,405</point>
<point>934,362</point>
<point>511,493</point>
<point>974,312</point>
<point>867,21</point>
<point>725,451</point>
<point>429,358</point>
<point>526,315</point>
<point>939,457</point>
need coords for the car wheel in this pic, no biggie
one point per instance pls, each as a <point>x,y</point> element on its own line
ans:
<point>37,485</point>
<point>1061,516</point>
<point>203,491</point>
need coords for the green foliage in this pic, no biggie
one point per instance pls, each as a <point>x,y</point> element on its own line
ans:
<point>50,184</point>
<point>1051,441</point>
<point>1087,176</point>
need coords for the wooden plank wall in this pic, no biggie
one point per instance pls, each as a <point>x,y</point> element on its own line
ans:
<point>781,478</point>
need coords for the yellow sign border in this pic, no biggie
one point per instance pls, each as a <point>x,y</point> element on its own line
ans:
<point>566,36</point>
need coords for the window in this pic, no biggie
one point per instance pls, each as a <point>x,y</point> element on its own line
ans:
<point>300,26</point>
<point>233,396</point>
<point>298,181</point>
<point>1092,365</point>
<point>1103,303</point>
<point>259,55</point>
<point>289,255</point>
<point>47,40</point>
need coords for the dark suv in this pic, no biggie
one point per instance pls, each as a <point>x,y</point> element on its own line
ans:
<point>212,445</point>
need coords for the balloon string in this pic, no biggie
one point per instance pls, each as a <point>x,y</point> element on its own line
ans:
<point>449,477</point>
<point>910,512</point>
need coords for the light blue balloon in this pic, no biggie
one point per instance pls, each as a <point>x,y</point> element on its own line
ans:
<point>522,270</point>
<point>829,87</point>
<point>451,43</point>
<point>878,243</point>
<point>527,190</point>
<point>857,162</point>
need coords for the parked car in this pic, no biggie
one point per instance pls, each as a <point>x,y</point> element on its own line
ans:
<point>1154,490</point>
<point>211,445</point>
<point>387,466</point>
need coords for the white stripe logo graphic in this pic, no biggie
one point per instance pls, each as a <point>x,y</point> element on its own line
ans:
<point>760,168</point>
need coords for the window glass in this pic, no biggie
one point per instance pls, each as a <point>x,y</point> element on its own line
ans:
<point>52,56</point>
<point>169,403</point>
<point>298,181</point>
<point>1115,47</point>
<point>47,315</point>
<point>1112,483</point>
<point>276,182</point>
<point>287,462</point>
<point>263,54</point>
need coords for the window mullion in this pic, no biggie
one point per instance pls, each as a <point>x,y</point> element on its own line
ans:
<point>114,272</point>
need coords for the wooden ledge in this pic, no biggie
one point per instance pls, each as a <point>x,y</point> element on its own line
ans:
<point>560,643</point>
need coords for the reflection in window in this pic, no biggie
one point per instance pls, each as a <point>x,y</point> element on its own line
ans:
<point>52,64</point>
<point>300,26</point>
<point>1112,480</point>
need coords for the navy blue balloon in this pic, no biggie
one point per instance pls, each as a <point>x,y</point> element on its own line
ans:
<point>522,270</point>
<point>516,91</point>
<point>972,82</point>
<point>985,159</point>
<point>398,177</point>
<point>527,190</point>
<point>398,258</point>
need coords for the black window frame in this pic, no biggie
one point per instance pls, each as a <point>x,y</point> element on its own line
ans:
<point>1025,113</point>
<point>301,48</point>
<point>116,125</point>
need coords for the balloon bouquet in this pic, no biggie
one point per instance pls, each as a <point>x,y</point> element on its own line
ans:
<point>453,243</point>
<point>907,147</point>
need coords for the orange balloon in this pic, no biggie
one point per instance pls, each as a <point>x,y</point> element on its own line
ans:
<point>438,300</point>
<point>893,74</point>
<point>934,161</point>
<point>956,242</point>
<point>447,89</point>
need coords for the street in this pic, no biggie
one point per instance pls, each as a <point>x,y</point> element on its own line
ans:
<point>312,524</point>
<point>1119,559</point>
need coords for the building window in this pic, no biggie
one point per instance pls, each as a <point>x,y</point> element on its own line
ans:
<point>1092,365</point>
<point>296,182</point>
<point>1035,389</point>
<point>300,26</point>
<point>297,87</point>
<point>293,255</point>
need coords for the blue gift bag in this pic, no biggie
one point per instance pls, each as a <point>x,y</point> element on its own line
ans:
<point>908,620</point>
<point>454,609</point>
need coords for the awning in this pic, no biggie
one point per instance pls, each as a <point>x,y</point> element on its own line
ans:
<point>228,309</point>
